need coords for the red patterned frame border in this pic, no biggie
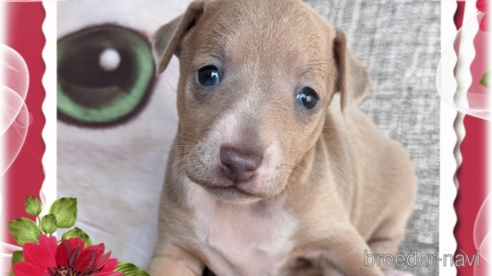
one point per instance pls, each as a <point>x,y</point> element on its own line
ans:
<point>471,178</point>
<point>23,33</point>
<point>25,177</point>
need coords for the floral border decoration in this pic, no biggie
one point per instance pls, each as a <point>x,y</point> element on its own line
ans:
<point>74,254</point>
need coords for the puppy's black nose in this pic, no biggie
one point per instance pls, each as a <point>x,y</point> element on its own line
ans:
<point>238,166</point>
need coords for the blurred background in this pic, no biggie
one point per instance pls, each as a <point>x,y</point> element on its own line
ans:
<point>117,120</point>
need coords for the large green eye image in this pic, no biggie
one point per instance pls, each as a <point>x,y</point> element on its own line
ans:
<point>105,75</point>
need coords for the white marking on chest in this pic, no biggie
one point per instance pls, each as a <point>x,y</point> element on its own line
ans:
<point>241,240</point>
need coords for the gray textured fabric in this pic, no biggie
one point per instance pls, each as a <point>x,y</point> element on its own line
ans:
<point>399,42</point>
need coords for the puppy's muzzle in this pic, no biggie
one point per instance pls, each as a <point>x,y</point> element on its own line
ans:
<point>238,165</point>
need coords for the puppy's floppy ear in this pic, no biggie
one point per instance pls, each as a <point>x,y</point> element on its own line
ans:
<point>165,42</point>
<point>353,80</point>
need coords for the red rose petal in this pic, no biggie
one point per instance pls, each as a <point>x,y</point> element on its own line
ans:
<point>98,248</point>
<point>101,262</point>
<point>73,257</point>
<point>27,269</point>
<point>110,274</point>
<point>49,243</point>
<point>62,254</point>
<point>110,266</point>
<point>86,260</point>
<point>74,242</point>
<point>38,256</point>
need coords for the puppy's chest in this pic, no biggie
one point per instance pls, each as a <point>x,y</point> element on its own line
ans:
<point>242,240</point>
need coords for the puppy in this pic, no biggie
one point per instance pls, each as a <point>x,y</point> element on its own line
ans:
<point>274,170</point>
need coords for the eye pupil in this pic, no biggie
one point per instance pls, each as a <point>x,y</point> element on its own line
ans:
<point>307,98</point>
<point>208,76</point>
<point>110,59</point>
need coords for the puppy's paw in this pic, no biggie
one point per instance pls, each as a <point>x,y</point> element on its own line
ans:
<point>396,273</point>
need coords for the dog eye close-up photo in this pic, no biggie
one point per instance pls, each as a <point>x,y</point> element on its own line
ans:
<point>252,137</point>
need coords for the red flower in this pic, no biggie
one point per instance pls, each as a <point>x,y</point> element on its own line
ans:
<point>69,258</point>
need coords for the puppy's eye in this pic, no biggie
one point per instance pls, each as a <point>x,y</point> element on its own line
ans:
<point>307,98</point>
<point>208,76</point>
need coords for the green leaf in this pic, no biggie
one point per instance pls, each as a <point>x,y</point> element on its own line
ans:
<point>24,230</point>
<point>33,206</point>
<point>48,224</point>
<point>485,80</point>
<point>65,211</point>
<point>77,233</point>
<point>130,269</point>
<point>17,257</point>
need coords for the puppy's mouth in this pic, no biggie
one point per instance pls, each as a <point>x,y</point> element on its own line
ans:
<point>228,190</point>
<point>236,172</point>
<point>233,193</point>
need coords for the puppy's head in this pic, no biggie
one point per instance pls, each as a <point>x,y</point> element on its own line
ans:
<point>256,80</point>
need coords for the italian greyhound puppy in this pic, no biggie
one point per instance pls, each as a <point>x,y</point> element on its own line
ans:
<point>274,169</point>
